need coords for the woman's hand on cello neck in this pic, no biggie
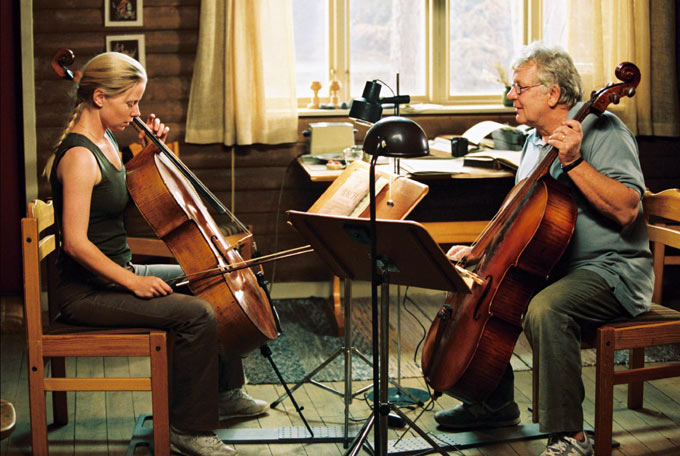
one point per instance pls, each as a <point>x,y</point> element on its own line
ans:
<point>157,127</point>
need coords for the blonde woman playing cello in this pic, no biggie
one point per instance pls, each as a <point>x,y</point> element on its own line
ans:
<point>100,286</point>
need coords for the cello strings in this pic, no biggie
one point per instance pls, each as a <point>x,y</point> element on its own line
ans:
<point>141,126</point>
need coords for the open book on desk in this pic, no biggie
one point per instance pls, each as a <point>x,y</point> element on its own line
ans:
<point>454,167</point>
<point>494,159</point>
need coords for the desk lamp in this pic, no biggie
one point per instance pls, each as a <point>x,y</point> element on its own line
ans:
<point>389,137</point>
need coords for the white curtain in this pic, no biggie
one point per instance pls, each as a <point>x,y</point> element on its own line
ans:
<point>243,86</point>
<point>603,33</point>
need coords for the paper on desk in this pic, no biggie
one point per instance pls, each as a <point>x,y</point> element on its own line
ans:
<point>431,166</point>
<point>440,147</point>
<point>479,131</point>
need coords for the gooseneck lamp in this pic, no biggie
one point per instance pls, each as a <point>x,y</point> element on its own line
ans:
<point>400,137</point>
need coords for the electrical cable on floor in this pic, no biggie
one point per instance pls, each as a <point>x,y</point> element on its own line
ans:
<point>278,213</point>
<point>422,339</point>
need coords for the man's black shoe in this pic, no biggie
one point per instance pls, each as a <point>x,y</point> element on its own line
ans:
<point>478,415</point>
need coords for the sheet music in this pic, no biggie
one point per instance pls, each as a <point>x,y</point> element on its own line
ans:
<point>353,196</point>
<point>417,166</point>
<point>479,131</point>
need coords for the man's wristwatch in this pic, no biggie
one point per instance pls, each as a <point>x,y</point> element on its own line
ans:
<point>572,165</point>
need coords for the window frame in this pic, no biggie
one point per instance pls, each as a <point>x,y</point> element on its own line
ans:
<point>436,53</point>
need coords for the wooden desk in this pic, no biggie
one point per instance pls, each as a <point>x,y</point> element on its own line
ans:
<point>318,172</point>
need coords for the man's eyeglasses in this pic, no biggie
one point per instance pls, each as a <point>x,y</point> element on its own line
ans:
<point>519,89</point>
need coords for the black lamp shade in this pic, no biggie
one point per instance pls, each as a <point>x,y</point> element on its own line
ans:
<point>367,108</point>
<point>364,111</point>
<point>396,137</point>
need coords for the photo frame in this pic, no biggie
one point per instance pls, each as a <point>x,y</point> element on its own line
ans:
<point>123,13</point>
<point>132,45</point>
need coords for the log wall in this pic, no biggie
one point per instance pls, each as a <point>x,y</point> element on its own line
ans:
<point>268,180</point>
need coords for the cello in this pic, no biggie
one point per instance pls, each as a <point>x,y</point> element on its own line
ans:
<point>166,193</point>
<point>471,339</point>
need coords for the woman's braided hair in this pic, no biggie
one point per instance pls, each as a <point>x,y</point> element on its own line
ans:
<point>111,72</point>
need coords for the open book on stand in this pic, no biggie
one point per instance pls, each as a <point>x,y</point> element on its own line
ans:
<point>349,196</point>
<point>352,198</point>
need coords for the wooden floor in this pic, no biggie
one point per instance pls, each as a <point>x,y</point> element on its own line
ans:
<point>101,423</point>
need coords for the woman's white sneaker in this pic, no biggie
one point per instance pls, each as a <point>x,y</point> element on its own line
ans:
<point>236,403</point>
<point>190,443</point>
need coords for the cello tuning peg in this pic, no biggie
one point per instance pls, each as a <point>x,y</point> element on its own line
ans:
<point>614,98</point>
<point>631,92</point>
<point>593,93</point>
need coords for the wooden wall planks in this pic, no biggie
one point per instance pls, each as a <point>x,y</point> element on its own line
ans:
<point>171,34</point>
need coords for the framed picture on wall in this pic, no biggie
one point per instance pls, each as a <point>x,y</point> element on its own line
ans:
<point>132,45</point>
<point>123,13</point>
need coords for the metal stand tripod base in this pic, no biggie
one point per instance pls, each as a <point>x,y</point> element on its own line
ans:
<point>347,350</point>
<point>404,396</point>
<point>382,407</point>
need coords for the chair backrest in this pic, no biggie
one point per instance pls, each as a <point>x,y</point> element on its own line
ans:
<point>39,242</point>
<point>662,211</point>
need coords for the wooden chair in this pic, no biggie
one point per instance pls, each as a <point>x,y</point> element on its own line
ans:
<point>56,341</point>
<point>154,247</point>
<point>659,326</point>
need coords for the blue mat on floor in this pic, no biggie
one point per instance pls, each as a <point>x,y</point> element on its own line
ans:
<point>307,340</point>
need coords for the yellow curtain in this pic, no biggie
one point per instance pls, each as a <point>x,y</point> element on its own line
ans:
<point>243,86</point>
<point>604,33</point>
<point>665,77</point>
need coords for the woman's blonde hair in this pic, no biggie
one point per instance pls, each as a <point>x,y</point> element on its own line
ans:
<point>111,72</point>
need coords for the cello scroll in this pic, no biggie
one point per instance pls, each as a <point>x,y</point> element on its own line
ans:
<point>60,62</point>
<point>627,72</point>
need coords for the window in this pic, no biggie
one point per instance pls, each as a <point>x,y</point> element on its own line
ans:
<point>355,41</point>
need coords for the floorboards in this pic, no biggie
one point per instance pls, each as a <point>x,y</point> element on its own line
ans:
<point>101,423</point>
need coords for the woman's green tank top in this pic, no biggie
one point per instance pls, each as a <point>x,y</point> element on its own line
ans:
<point>106,228</point>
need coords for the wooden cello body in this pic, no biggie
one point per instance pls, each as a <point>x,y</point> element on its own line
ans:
<point>174,210</point>
<point>470,341</point>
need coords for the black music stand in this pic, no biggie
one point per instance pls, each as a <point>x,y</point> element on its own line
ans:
<point>406,255</point>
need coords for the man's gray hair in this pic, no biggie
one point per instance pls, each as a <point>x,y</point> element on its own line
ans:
<point>554,66</point>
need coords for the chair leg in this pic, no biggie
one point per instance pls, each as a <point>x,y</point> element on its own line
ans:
<point>37,405</point>
<point>534,387</point>
<point>59,405</point>
<point>159,393</point>
<point>604,392</point>
<point>635,390</point>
